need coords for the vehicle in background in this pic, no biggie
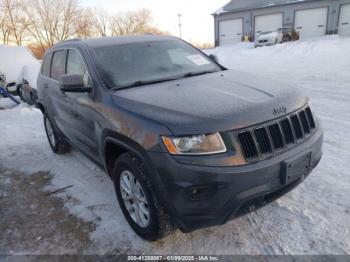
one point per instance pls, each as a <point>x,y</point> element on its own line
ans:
<point>26,86</point>
<point>7,90</point>
<point>269,38</point>
<point>289,34</point>
<point>27,93</point>
<point>21,69</point>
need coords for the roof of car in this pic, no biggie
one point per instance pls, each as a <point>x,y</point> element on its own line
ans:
<point>115,40</point>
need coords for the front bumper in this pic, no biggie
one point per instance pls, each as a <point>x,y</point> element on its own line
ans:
<point>264,44</point>
<point>198,196</point>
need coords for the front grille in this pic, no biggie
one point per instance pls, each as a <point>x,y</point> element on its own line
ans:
<point>304,122</point>
<point>310,117</point>
<point>248,145</point>
<point>276,135</point>
<point>297,127</point>
<point>287,131</point>
<point>262,138</point>
<point>261,141</point>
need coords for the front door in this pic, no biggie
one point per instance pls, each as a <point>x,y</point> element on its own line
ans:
<point>84,128</point>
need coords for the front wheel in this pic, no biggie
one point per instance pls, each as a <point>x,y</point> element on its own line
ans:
<point>138,200</point>
<point>57,144</point>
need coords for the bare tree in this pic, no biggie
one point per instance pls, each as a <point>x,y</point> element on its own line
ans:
<point>101,21</point>
<point>132,22</point>
<point>4,25</point>
<point>14,23</point>
<point>52,21</point>
<point>84,23</point>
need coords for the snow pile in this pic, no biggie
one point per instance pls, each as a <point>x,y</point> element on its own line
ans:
<point>326,58</point>
<point>17,63</point>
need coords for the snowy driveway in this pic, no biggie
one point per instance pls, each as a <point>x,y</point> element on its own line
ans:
<point>312,219</point>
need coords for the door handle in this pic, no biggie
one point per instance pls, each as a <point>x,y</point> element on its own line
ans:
<point>346,23</point>
<point>45,85</point>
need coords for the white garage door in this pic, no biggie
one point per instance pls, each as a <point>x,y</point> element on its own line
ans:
<point>344,20</point>
<point>230,31</point>
<point>264,23</point>
<point>311,22</point>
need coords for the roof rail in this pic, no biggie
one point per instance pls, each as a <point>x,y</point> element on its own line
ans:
<point>70,40</point>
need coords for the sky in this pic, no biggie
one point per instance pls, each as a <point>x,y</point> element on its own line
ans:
<point>198,24</point>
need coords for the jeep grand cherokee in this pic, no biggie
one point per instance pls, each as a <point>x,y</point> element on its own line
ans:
<point>187,143</point>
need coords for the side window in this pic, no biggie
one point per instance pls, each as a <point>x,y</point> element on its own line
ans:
<point>46,64</point>
<point>58,66</point>
<point>75,65</point>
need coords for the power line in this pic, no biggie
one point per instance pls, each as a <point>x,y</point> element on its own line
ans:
<point>179,15</point>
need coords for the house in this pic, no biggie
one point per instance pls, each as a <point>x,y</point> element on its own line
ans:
<point>311,18</point>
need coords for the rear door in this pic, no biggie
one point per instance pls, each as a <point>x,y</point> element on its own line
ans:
<point>344,20</point>
<point>230,31</point>
<point>62,104</point>
<point>311,22</point>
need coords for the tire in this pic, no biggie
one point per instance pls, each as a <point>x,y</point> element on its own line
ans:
<point>155,224</point>
<point>56,141</point>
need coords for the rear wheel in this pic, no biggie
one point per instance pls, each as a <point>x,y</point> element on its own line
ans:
<point>138,200</point>
<point>57,144</point>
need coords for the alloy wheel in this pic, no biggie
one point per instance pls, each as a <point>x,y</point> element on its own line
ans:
<point>134,199</point>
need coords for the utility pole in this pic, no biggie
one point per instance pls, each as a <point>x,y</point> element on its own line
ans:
<point>179,15</point>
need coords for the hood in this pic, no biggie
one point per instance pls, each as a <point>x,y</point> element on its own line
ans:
<point>220,101</point>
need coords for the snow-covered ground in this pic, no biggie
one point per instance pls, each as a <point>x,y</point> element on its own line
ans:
<point>312,219</point>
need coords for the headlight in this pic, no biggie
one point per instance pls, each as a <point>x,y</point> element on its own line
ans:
<point>195,145</point>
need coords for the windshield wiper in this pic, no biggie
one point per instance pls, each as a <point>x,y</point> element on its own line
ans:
<point>197,73</point>
<point>142,83</point>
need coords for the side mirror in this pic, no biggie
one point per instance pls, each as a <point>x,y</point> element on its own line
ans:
<point>73,83</point>
<point>214,58</point>
<point>12,88</point>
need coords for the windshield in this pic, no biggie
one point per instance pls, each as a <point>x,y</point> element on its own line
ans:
<point>143,63</point>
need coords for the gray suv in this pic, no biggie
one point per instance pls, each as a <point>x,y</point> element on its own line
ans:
<point>187,143</point>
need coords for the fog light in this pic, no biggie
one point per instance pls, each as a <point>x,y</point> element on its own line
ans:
<point>201,192</point>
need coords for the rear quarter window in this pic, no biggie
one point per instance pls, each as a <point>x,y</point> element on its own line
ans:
<point>46,65</point>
